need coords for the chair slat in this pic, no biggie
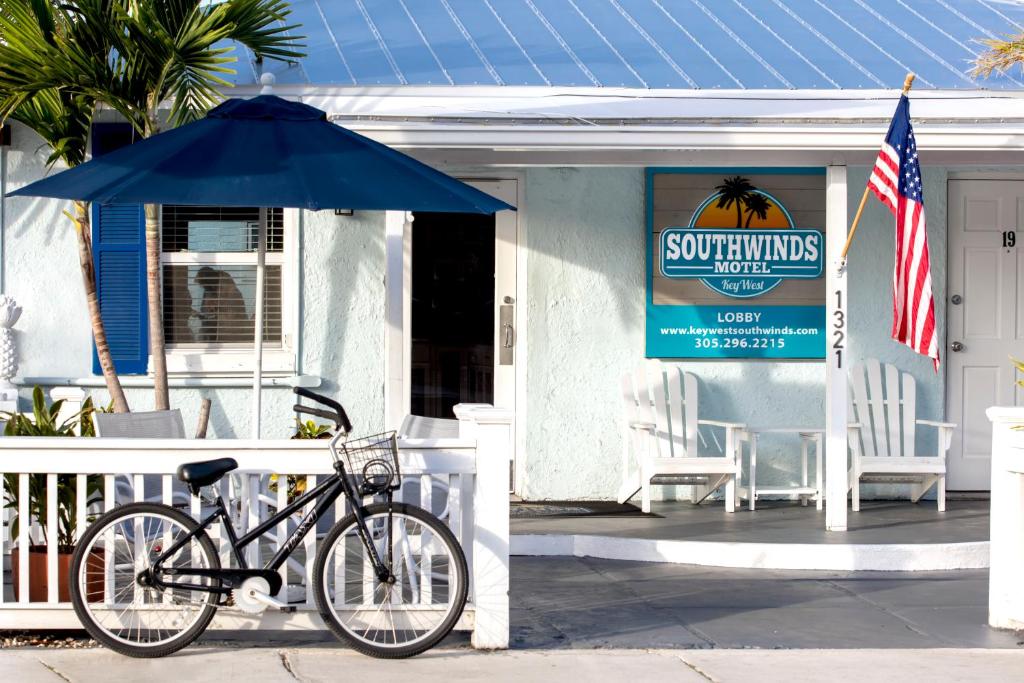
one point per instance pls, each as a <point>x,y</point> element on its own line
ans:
<point>892,402</point>
<point>858,386</point>
<point>677,410</point>
<point>655,380</point>
<point>690,402</point>
<point>909,415</point>
<point>875,401</point>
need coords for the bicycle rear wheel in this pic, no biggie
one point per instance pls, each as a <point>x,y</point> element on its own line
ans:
<point>115,607</point>
<point>399,619</point>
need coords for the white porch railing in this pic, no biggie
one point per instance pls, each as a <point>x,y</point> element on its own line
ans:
<point>1006,532</point>
<point>465,480</point>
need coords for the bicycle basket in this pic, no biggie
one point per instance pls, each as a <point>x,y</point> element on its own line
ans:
<point>372,463</point>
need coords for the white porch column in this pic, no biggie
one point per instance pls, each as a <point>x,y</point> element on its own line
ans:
<point>1006,533</point>
<point>492,429</point>
<point>398,315</point>
<point>836,354</point>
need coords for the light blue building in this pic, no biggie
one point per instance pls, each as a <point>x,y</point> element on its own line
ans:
<point>605,122</point>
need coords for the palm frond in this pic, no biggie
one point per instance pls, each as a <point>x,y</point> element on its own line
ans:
<point>1001,55</point>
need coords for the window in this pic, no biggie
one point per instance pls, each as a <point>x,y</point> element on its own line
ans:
<point>209,280</point>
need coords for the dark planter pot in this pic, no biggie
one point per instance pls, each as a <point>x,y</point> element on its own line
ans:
<point>38,581</point>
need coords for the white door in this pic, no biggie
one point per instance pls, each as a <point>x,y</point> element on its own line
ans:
<point>462,300</point>
<point>985,314</point>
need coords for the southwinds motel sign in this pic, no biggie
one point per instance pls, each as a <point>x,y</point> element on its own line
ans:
<point>740,280</point>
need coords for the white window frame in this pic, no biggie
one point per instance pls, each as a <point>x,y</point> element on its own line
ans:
<point>277,361</point>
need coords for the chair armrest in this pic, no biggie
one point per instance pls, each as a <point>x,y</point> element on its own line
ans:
<point>726,425</point>
<point>945,430</point>
<point>940,425</point>
<point>644,426</point>
<point>854,425</point>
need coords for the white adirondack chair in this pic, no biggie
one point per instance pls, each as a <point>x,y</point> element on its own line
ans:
<point>882,430</point>
<point>661,432</point>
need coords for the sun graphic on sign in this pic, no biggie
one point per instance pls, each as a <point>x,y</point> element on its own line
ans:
<point>739,204</point>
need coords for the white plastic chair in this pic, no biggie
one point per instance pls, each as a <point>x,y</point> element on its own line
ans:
<point>882,434</point>
<point>661,430</point>
<point>157,424</point>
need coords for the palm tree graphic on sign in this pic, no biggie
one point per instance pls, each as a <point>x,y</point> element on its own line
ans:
<point>757,205</point>
<point>739,193</point>
<point>734,191</point>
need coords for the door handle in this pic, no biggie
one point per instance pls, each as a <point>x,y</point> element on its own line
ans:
<point>956,347</point>
<point>507,334</point>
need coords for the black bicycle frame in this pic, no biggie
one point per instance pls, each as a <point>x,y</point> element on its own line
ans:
<point>325,493</point>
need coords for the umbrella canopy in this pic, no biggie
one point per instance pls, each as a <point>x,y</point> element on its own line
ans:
<point>264,151</point>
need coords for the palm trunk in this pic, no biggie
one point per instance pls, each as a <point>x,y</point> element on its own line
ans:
<point>99,333</point>
<point>739,214</point>
<point>749,216</point>
<point>157,346</point>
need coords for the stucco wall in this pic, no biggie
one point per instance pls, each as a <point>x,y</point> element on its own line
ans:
<point>341,308</point>
<point>585,244</point>
<point>586,307</point>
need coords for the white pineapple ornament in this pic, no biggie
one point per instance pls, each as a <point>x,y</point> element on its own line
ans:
<point>10,311</point>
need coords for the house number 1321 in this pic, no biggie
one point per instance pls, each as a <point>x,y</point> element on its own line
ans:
<point>839,329</point>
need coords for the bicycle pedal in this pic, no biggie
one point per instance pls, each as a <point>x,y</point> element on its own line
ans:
<point>287,609</point>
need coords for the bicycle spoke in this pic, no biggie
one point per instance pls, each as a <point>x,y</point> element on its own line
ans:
<point>386,615</point>
<point>129,612</point>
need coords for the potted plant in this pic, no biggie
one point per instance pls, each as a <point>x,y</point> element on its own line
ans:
<point>44,422</point>
<point>303,430</point>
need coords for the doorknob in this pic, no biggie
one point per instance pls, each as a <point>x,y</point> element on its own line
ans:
<point>507,335</point>
<point>957,347</point>
<point>956,299</point>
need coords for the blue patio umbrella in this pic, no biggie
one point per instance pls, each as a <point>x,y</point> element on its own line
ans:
<point>265,152</point>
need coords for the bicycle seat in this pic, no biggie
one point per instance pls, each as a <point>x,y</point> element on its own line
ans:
<point>205,472</point>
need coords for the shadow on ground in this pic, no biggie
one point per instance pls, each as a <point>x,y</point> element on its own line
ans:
<point>570,602</point>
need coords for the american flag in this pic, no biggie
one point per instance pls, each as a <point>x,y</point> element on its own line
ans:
<point>896,181</point>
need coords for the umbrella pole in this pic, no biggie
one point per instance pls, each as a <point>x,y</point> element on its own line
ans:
<point>257,373</point>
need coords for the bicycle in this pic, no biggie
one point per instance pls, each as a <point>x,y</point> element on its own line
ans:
<point>390,579</point>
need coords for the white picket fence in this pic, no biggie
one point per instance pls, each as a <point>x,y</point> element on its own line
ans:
<point>464,479</point>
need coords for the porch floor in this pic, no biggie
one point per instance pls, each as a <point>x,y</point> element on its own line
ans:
<point>878,522</point>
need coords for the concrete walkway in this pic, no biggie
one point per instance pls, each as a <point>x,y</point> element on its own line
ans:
<point>572,602</point>
<point>584,619</point>
<point>264,665</point>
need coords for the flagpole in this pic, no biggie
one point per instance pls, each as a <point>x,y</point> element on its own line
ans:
<point>907,84</point>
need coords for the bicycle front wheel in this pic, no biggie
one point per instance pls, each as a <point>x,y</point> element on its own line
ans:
<point>117,606</point>
<point>381,618</point>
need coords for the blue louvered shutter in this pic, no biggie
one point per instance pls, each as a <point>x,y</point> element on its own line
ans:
<point>119,250</point>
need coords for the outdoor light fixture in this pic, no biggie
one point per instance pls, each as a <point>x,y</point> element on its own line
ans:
<point>343,212</point>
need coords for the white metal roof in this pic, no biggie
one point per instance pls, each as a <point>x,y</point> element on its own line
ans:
<point>649,44</point>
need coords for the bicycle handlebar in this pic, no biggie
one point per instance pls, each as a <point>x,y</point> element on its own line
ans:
<point>336,414</point>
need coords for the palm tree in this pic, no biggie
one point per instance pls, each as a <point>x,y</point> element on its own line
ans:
<point>734,191</point>
<point>174,52</point>
<point>757,205</point>
<point>168,51</point>
<point>63,120</point>
<point>1000,56</point>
